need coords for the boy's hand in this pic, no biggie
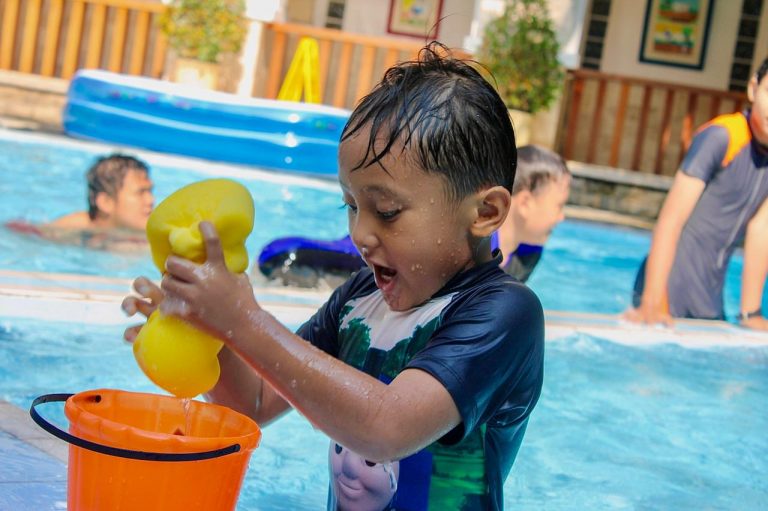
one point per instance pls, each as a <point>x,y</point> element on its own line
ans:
<point>208,295</point>
<point>145,304</point>
<point>755,323</point>
<point>650,312</point>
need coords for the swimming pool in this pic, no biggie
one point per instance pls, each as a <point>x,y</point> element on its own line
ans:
<point>621,424</point>
<point>618,426</point>
<point>586,267</point>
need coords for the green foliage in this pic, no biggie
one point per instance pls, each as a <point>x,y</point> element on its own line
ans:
<point>520,49</point>
<point>203,29</point>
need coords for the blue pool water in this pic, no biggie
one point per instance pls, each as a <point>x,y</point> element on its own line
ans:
<point>617,427</point>
<point>587,267</point>
<point>40,180</point>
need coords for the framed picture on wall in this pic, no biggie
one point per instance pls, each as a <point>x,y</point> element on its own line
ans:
<point>675,32</point>
<point>416,18</point>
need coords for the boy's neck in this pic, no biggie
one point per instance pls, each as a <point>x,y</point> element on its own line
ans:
<point>508,239</point>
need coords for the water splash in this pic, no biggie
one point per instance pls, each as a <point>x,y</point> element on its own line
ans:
<point>187,403</point>
<point>392,478</point>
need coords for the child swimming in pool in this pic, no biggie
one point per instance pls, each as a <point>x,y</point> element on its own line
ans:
<point>120,201</point>
<point>425,366</point>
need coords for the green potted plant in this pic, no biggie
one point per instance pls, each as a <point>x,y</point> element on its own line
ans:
<point>200,32</point>
<point>520,49</point>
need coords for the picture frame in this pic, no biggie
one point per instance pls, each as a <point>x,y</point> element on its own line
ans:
<point>675,32</point>
<point>415,18</point>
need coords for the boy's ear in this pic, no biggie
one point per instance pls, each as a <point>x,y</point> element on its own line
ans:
<point>752,89</point>
<point>492,208</point>
<point>105,203</point>
<point>522,202</point>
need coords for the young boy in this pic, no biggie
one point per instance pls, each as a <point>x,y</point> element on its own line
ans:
<point>120,201</point>
<point>539,194</point>
<point>119,196</point>
<point>424,367</point>
<point>721,184</point>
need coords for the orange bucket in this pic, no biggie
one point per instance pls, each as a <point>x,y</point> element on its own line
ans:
<point>146,452</point>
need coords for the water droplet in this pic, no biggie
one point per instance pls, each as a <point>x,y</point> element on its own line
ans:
<point>392,479</point>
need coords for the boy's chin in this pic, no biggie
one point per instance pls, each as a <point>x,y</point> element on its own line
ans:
<point>397,302</point>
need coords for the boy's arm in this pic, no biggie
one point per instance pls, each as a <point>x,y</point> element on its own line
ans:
<point>755,270</point>
<point>680,202</point>
<point>241,388</point>
<point>378,421</point>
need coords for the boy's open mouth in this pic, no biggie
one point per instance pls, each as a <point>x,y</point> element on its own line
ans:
<point>384,276</point>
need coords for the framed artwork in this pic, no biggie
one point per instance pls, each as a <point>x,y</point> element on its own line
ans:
<point>675,32</point>
<point>416,18</point>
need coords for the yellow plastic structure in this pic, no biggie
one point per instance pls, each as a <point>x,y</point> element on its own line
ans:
<point>303,74</point>
<point>175,355</point>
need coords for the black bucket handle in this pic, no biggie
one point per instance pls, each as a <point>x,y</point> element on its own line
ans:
<point>116,451</point>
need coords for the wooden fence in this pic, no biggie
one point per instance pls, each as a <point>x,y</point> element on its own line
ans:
<point>635,124</point>
<point>608,120</point>
<point>350,64</point>
<point>58,37</point>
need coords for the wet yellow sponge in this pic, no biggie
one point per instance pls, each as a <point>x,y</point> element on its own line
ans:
<point>173,227</point>
<point>175,355</point>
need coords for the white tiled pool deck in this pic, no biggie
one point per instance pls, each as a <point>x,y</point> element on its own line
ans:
<point>37,478</point>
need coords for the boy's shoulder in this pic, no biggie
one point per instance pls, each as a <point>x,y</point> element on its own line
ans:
<point>726,135</point>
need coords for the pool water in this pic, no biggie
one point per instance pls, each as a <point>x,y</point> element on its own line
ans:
<point>41,180</point>
<point>586,267</point>
<point>617,426</point>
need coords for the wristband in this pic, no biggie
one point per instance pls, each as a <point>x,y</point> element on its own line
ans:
<point>743,316</point>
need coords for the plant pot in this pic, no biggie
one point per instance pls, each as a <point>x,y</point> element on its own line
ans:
<point>196,73</point>
<point>521,122</point>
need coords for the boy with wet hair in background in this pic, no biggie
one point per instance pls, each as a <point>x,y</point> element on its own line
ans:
<point>713,203</point>
<point>424,367</point>
<point>119,196</point>
<point>541,189</point>
<point>120,201</point>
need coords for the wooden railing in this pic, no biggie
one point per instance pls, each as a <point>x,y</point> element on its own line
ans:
<point>350,64</point>
<point>635,124</point>
<point>58,37</point>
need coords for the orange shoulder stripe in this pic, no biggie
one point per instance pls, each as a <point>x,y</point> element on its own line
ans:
<point>738,133</point>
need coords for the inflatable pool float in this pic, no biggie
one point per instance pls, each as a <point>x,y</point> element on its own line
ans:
<point>169,117</point>
<point>303,262</point>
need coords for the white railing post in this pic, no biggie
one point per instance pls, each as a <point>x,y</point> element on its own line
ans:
<point>258,13</point>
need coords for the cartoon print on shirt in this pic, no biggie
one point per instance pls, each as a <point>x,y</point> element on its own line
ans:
<point>359,484</point>
<point>380,342</point>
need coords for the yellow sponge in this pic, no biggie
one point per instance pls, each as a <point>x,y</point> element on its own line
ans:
<point>175,355</point>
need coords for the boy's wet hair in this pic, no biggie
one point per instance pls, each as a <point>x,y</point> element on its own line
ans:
<point>762,70</point>
<point>107,174</point>
<point>537,166</point>
<point>447,117</point>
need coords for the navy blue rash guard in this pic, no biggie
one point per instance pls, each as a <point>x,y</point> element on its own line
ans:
<point>482,337</point>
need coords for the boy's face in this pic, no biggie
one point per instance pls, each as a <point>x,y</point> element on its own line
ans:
<point>758,120</point>
<point>545,210</point>
<point>131,207</point>
<point>404,225</point>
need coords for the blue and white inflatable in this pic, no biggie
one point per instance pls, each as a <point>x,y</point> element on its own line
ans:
<point>168,117</point>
